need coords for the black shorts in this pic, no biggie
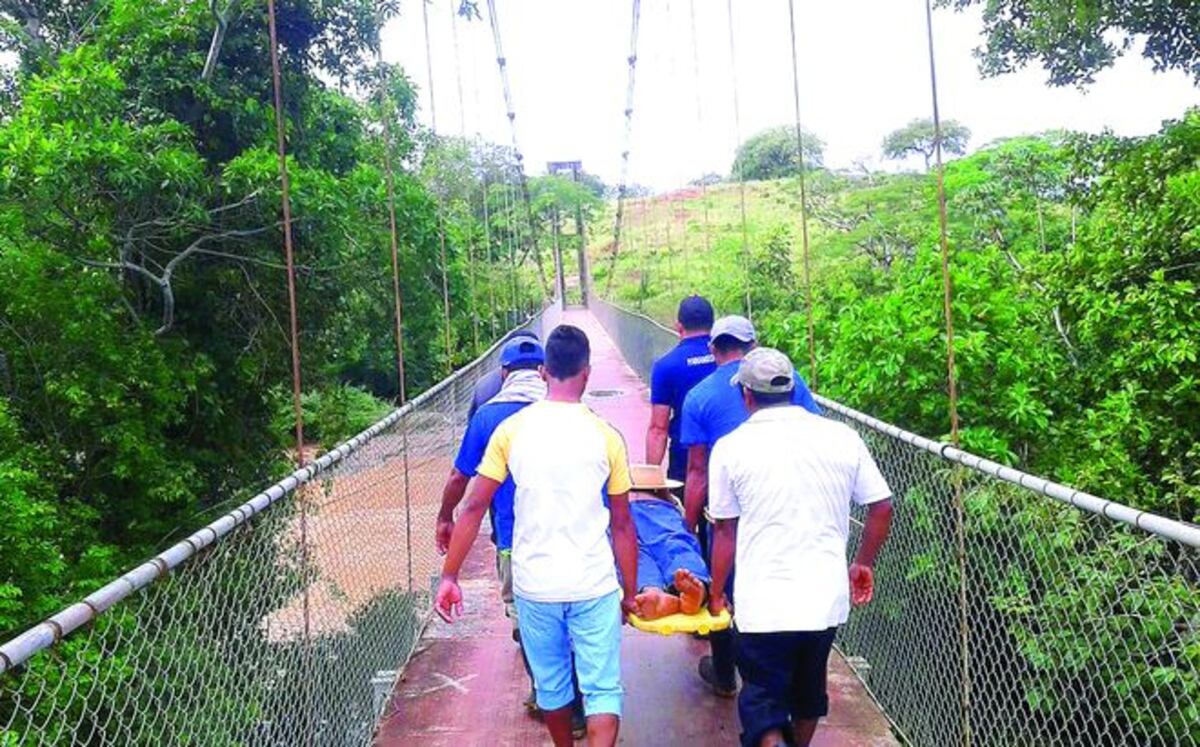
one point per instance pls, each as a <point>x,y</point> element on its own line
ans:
<point>783,679</point>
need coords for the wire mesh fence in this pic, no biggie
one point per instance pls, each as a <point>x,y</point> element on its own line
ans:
<point>282,623</point>
<point>1082,622</point>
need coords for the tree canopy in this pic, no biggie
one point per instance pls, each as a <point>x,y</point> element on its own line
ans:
<point>919,137</point>
<point>1075,40</point>
<point>143,308</point>
<point>771,154</point>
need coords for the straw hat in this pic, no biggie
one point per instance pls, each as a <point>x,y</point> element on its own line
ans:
<point>651,477</point>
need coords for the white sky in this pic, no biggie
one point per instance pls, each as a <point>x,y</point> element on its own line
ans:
<point>864,72</point>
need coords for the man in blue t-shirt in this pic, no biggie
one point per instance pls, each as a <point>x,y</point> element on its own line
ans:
<point>489,384</point>
<point>672,377</point>
<point>713,409</point>
<point>521,386</point>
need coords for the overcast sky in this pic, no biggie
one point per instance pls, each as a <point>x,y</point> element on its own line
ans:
<point>864,72</point>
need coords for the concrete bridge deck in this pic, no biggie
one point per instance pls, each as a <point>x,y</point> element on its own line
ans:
<point>465,684</point>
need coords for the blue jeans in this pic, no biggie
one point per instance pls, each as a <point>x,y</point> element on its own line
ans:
<point>550,631</point>
<point>664,545</point>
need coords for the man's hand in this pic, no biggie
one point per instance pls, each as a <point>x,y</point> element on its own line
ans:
<point>445,528</point>
<point>449,601</point>
<point>629,606</point>
<point>862,584</point>
<point>717,604</point>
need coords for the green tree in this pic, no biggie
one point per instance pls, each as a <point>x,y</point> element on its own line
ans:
<point>1075,40</point>
<point>919,137</point>
<point>771,154</point>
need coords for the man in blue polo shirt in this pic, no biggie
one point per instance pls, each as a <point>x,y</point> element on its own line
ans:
<point>713,409</point>
<point>672,377</point>
<point>489,384</point>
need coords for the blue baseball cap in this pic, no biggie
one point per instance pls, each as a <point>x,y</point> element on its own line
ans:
<point>522,350</point>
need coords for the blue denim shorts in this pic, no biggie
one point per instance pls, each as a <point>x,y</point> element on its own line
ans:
<point>550,631</point>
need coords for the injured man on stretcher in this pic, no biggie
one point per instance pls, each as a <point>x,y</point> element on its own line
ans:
<point>672,575</point>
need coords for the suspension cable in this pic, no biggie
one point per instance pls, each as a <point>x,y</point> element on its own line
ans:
<point>294,319</point>
<point>623,186</point>
<point>511,113</point>
<point>741,177</point>
<point>952,384</point>
<point>808,297</point>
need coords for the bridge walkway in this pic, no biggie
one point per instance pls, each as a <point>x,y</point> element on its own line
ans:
<point>465,684</point>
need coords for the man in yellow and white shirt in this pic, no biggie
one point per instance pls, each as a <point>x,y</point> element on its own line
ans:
<point>565,462</point>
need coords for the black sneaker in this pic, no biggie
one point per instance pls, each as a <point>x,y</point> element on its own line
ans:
<point>708,673</point>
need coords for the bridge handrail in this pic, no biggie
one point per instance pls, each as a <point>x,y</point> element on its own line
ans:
<point>1172,529</point>
<point>47,633</point>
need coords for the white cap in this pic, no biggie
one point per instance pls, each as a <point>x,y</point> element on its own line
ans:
<point>737,327</point>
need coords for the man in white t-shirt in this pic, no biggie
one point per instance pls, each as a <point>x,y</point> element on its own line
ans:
<point>780,488</point>
<point>571,473</point>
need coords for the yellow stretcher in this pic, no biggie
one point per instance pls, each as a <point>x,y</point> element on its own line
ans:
<point>702,622</point>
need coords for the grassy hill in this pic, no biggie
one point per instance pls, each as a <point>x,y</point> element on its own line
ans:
<point>691,241</point>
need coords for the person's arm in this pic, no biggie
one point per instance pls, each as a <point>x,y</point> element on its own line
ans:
<point>656,434</point>
<point>624,534</point>
<point>724,547</point>
<point>624,540</point>
<point>492,472</point>
<point>875,533</point>
<point>695,486</point>
<point>452,495</point>
<point>449,595</point>
<point>725,507</point>
<point>870,489</point>
<point>470,454</point>
<point>660,412</point>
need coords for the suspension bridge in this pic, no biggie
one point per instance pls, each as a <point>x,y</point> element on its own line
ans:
<point>302,616</point>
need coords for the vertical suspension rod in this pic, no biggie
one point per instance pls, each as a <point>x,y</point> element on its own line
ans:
<point>699,122</point>
<point>808,296</point>
<point>741,177</point>
<point>387,111</point>
<point>294,320</point>
<point>462,131</point>
<point>952,385</point>
<point>441,203</point>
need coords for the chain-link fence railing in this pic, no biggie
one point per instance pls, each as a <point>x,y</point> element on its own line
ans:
<point>1082,616</point>
<point>282,623</point>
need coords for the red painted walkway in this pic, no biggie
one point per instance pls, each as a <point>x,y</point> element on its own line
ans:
<point>465,685</point>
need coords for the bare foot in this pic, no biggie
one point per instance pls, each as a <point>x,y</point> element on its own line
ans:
<point>654,603</point>
<point>692,593</point>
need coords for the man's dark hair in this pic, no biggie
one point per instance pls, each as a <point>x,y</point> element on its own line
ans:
<point>727,344</point>
<point>567,352</point>
<point>523,366</point>
<point>695,314</point>
<point>771,399</point>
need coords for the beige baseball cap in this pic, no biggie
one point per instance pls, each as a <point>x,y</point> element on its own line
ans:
<point>766,370</point>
